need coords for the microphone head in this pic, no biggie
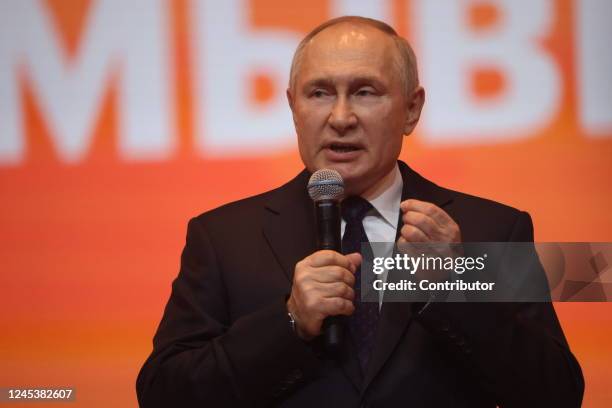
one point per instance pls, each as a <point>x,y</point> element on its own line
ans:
<point>325,184</point>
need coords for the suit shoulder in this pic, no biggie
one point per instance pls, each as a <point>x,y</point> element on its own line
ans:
<point>235,211</point>
<point>484,204</point>
<point>250,210</point>
<point>455,200</point>
<point>485,220</point>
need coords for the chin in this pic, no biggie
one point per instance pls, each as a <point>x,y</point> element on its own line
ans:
<point>354,184</point>
<point>354,178</point>
<point>348,171</point>
<point>349,177</point>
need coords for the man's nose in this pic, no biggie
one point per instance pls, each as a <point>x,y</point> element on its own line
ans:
<point>342,118</point>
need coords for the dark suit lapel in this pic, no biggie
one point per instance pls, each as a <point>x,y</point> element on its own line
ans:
<point>289,225</point>
<point>395,317</point>
<point>289,228</point>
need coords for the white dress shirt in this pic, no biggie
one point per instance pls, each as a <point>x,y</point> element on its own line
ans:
<point>381,222</point>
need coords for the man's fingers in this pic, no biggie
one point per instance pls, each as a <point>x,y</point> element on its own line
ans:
<point>334,273</point>
<point>355,259</point>
<point>337,306</point>
<point>432,210</point>
<point>411,233</point>
<point>424,223</point>
<point>434,222</point>
<point>337,289</point>
<point>322,286</point>
<point>327,257</point>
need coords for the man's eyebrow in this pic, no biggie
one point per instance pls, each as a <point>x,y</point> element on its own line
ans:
<point>356,81</point>
<point>318,82</point>
<point>366,80</point>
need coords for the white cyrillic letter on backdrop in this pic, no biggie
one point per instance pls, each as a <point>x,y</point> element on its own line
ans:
<point>126,37</point>
<point>594,32</point>
<point>227,56</point>
<point>449,49</point>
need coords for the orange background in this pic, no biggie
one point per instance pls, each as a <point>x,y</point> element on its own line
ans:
<point>88,250</point>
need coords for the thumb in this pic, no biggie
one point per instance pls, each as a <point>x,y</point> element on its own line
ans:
<point>355,259</point>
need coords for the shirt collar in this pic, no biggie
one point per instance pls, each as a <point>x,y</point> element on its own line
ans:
<point>388,202</point>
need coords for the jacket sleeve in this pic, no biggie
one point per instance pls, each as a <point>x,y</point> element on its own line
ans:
<point>201,358</point>
<point>516,352</point>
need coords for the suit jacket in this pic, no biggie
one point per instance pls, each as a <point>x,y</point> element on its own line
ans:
<point>225,338</point>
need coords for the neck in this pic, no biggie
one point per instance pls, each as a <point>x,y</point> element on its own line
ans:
<point>380,186</point>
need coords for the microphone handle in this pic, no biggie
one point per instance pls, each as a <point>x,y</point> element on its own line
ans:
<point>328,237</point>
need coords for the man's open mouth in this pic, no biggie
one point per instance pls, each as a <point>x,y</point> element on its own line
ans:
<point>342,148</point>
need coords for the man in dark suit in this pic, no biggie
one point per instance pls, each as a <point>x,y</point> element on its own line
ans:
<point>242,326</point>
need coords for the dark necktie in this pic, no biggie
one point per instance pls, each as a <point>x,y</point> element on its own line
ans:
<point>364,320</point>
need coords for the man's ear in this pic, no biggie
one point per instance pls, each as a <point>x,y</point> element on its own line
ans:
<point>414,105</point>
<point>291,103</point>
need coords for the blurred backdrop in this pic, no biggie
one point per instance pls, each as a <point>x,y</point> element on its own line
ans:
<point>121,119</point>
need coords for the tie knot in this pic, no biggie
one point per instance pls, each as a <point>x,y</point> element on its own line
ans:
<point>355,208</point>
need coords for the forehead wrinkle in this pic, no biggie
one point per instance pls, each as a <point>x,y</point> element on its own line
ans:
<point>379,73</point>
<point>348,49</point>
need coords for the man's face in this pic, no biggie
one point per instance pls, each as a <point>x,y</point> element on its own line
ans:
<point>349,105</point>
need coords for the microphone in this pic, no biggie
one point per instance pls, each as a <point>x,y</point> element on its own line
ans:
<point>326,188</point>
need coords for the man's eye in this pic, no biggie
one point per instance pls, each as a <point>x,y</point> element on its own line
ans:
<point>318,93</point>
<point>365,92</point>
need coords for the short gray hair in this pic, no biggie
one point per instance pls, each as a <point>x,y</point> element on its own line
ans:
<point>406,63</point>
